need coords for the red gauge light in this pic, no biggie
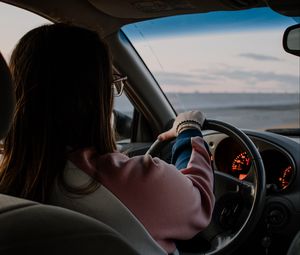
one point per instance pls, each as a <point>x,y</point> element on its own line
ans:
<point>242,176</point>
<point>285,177</point>
<point>240,165</point>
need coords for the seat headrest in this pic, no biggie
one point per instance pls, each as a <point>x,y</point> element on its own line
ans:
<point>7,98</point>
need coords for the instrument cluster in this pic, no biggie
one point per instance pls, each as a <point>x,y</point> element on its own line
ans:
<point>231,158</point>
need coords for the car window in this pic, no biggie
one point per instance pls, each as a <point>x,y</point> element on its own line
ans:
<point>14,23</point>
<point>230,65</point>
<point>123,110</point>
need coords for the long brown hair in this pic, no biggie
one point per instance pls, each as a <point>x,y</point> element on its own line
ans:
<point>62,77</point>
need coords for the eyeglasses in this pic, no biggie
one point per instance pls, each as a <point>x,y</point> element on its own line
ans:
<point>118,84</point>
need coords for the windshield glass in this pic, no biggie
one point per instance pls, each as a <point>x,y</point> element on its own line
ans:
<point>230,65</point>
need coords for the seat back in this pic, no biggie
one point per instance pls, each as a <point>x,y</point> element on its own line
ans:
<point>31,228</point>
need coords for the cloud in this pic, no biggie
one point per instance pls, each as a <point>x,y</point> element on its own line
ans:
<point>259,57</point>
<point>259,76</point>
<point>202,76</point>
<point>228,79</point>
<point>176,78</point>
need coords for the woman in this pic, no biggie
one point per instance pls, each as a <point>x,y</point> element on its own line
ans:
<point>63,83</point>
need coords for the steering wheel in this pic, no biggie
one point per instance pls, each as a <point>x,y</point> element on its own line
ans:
<point>239,203</point>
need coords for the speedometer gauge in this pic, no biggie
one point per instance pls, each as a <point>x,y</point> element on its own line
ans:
<point>280,170</point>
<point>241,165</point>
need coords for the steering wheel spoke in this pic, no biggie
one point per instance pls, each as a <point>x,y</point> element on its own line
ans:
<point>226,182</point>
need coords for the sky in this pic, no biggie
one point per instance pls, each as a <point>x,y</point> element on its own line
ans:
<point>240,52</point>
<point>197,53</point>
<point>210,64</point>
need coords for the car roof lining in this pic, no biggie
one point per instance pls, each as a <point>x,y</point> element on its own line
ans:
<point>112,15</point>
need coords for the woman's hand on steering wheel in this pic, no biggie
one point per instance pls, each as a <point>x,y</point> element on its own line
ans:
<point>185,120</point>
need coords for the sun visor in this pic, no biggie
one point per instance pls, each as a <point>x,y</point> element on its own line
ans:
<point>146,9</point>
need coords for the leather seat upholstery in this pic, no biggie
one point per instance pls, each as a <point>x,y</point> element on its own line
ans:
<point>32,228</point>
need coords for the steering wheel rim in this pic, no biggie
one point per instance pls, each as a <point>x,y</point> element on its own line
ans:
<point>259,188</point>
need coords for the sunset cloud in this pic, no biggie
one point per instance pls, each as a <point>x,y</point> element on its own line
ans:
<point>259,57</point>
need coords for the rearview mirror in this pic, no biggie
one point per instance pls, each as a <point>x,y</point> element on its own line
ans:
<point>291,40</point>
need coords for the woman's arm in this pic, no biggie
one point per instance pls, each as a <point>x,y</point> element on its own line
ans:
<point>171,204</point>
<point>182,149</point>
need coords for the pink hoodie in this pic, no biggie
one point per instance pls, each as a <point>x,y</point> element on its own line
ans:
<point>171,204</point>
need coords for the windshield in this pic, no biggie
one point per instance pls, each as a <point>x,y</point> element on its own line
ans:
<point>230,65</point>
